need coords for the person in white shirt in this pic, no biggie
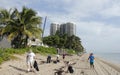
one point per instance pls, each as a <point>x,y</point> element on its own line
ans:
<point>57,57</point>
<point>30,60</point>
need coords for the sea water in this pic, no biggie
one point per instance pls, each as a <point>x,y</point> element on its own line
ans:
<point>113,57</point>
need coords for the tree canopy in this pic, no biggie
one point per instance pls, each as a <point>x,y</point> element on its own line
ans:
<point>18,26</point>
<point>64,41</point>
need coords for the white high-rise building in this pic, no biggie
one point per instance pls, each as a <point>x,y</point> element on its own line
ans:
<point>62,29</point>
<point>66,28</point>
<point>53,29</point>
<point>70,29</point>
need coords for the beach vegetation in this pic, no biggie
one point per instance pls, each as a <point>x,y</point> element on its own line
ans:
<point>8,53</point>
<point>19,26</point>
<point>64,41</point>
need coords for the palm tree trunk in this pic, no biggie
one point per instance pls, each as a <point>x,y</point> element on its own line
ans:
<point>26,40</point>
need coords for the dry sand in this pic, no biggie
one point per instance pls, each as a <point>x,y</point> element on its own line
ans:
<point>18,67</point>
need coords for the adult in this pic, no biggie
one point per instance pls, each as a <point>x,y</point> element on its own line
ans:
<point>70,67</point>
<point>48,59</point>
<point>30,60</point>
<point>58,51</point>
<point>91,59</point>
<point>57,59</point>
<point>64,56</point>
<point>57,56</point>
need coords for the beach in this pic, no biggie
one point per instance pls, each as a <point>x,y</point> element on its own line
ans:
<point>81,66</point>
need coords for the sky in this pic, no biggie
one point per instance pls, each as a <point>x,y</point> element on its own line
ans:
<point>97,21</point>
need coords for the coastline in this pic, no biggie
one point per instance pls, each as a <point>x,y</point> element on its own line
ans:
<point>107,67</point>
<point>111,57</point>
<point>82,67</point>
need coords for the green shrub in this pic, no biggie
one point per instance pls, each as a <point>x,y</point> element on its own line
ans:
<point>7,53</point>
<point>44,50</point>
<point>71,51</point>
<point>1,60</point>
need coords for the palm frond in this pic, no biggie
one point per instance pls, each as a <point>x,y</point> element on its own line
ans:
<point>4,15</point>
<point>22,23</point>
<point>28,33</point>
<point>12,35</point>
<point>14,14</point>
<point>6,29</point>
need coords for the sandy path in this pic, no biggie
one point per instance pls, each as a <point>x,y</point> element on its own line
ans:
<point>18,67</point>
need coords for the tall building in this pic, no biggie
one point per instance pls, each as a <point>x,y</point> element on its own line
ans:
<point>53,29</point>
<point>62,29</point>
<point>65,28</point>
<point>70,29</point>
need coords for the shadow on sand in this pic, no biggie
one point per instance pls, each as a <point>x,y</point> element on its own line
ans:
<point>18,68</point>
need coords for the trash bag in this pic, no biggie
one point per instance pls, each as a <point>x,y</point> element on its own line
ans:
<point>35,65</point>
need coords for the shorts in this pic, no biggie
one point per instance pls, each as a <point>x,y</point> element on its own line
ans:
<point>91,63</point>
<point>30,63</point>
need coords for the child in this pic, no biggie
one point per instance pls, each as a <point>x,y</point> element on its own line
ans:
<point>91,58</point>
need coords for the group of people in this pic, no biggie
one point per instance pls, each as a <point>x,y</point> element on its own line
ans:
<point>32,64</point>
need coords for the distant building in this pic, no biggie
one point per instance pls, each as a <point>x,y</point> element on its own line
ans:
<point>53,29</point>
<point>70,29</point>
<point>34,42</point>
<point>65,28</point>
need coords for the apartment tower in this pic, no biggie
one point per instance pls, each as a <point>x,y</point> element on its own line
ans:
<point>53,29</point>
<point>65,28</point>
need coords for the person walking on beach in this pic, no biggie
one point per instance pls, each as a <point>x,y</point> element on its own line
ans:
<point>91,59</point>
<point>30,60</point>
<point>63,56</point>
<point>58,51</point>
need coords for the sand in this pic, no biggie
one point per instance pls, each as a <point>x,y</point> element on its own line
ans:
<point>18,67</point>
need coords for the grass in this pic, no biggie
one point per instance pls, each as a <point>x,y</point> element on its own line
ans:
<point>7,53</point>
<point>71,51</point>
<point>44,50</point>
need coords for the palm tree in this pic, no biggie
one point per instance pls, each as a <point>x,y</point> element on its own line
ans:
<point>21,25</point>
<point>5,19</point>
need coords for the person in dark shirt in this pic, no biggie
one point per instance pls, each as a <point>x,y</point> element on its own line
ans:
<point>63,56</point>
<point>70,67</point>
<point>48,59</point>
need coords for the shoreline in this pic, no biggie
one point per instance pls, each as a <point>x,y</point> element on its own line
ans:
<point>110,64</point>
<point>110,57</point>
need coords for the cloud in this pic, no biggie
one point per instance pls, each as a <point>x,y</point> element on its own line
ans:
<point>96,20</point>
<point>113,11</point>
<point>11,4</point>
<point>78,8</point>
<point>97,36</point>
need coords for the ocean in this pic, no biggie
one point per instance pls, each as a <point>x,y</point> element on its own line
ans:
<point>113,57</point>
